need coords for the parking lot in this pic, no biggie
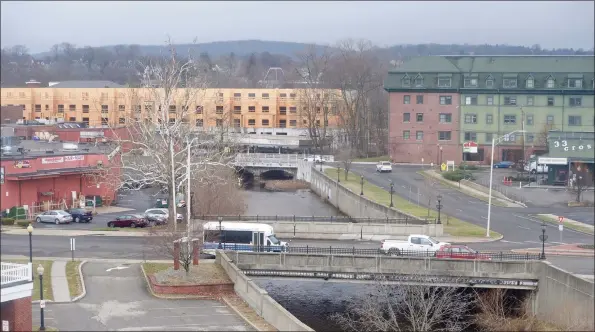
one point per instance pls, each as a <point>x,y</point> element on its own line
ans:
<point>117,300</point>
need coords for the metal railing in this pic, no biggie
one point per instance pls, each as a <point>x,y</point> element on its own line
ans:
<point>13,272</point>
<point>296,219</point>
<point>267,160</point>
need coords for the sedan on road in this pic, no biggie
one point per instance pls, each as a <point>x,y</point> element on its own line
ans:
<point>54,216</point>
<point>504,164</point>
<point>460,252</point>
<point>128,220</point>
<point>81,215</point>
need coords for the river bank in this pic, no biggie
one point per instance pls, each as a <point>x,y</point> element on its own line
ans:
<point>285,185</point>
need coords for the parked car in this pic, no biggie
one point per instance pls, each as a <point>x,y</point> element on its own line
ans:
<point>415,243</point>
<point>460,252</point>
<point>128,220</point>
<point>316,159</point>
<point>80,215</point>
<point>384,166</point>
<point>159,216</point>
<point>55,216</point>
<point>534,168</point>
<point>504,164</point>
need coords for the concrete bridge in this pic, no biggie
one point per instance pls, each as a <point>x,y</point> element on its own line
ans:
<point>259,163</point>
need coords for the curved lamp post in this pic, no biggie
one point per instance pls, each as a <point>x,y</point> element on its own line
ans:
<point>362,186</point>
<point>543,237</point>
<point>40,273</point>
<point>392,190</point>
<point>439,207</point>
<point>338,174</point>
<point>220,219</point>
<point>30,231</point>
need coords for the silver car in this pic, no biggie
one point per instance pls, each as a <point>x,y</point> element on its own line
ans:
<point>55,216</point>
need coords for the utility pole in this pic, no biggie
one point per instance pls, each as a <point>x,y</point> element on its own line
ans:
<point>523,131</point>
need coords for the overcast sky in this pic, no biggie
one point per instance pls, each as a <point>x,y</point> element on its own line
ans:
<point>39,25</point>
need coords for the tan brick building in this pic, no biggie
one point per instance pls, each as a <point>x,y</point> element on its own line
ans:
<point>247,108</point>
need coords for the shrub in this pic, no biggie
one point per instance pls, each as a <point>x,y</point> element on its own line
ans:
<point>470,167</point>
<point>23,223</point>
<point>7,221</point>
<point>457,175</point>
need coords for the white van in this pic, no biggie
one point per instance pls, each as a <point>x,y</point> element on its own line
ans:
<point>533,167</point>
<point>241,237</point>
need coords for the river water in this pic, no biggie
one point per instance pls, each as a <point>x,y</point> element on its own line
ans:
<point>299,203</point>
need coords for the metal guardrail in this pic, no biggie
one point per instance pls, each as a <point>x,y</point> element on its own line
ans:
<point>331,219</point>
<point>13,272</point>
<point>267,160</point>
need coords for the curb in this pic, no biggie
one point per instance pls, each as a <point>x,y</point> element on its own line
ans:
<point>557,253</point>
<point>237,312</point>
<point>82,283</point>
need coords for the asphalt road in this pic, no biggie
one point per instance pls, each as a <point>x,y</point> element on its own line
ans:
<point>515,224</point>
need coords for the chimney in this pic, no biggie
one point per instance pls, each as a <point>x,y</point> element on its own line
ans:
<point>33,84</point>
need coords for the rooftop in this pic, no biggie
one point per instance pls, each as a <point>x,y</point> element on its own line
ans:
<point>85,84</point>
<point>27,149</point>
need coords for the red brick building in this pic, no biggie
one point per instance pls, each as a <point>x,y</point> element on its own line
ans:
<point>15,306</point>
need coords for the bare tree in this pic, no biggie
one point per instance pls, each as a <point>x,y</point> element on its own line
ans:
<point>580,181</point>
<point>389,308</point>
<point>218,195</point>
<point>346,156</point>
<point>163,241</point>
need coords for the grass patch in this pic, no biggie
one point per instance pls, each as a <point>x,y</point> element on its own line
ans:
<point>74,279</point>
<point>586,246</point>
<point>372,159</point>
<point>555,221</point>
<point>47,278</point>
<point>47,328</point>
<point>452,226</point>
<point>152,268</point>
<point>203,274</point>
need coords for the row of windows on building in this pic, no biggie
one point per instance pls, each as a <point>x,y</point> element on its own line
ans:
<point>468,136</point>
<point>173,109</point>
<point>509,119</point>
<point>489,100</point>
<point>490,82</point>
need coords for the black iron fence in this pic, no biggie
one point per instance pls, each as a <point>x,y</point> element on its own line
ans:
<point>293,218</point>
<point>483,255</point>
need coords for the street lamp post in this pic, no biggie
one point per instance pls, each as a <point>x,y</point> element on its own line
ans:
<point>439,207</point>
<point>220,232</point>
<point>362,185</point>
<point>440,157</point>
<point>320,164</point>
<point>30,231</point>
<point>494,142</point>
<point>41,305</point>
<point>392,190</point>
<point>543,237</point>
<point>338,174</point>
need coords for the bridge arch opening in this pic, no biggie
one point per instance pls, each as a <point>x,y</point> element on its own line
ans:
<point>276,174</point>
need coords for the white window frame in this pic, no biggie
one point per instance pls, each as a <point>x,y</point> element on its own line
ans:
<point>446,138</point>
<point>580,103</point>
<point>550,83</point>
<point>530,84</point>
<point>472,118</point>
<point>490,100</point>
<point>578,83</point>
<point>447,116</point>
<point>507,83</point>
<point>511,119</point>
<point>448,79</point>
<point>469,100</point>
<point>470,82</point>
<point>530,100</point>
<point>491,85</point>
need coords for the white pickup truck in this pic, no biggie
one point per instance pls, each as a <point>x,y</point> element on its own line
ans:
<point>384,166</point>
<point>414,243</point>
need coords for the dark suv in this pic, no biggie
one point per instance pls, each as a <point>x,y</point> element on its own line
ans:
<point>81,215</point>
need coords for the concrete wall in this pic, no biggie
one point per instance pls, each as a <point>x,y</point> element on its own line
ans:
<point>565,300</point>
<point>259,300</point>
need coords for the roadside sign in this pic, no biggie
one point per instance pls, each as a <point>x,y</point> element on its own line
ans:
<point>560,218</point>
<point>5,325</point>
<point>72,244</point>
<point>560,227</point>
<point>470,147</point>
<point>42,304</point>
<point>443,167</point>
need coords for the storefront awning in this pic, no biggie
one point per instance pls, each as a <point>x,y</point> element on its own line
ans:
<point>50,173</point>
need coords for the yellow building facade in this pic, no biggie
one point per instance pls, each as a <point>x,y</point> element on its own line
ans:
<point>257,108</point>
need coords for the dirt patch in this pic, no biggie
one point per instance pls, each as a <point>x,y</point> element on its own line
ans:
<point>201,274</point>
<point>285,185</point>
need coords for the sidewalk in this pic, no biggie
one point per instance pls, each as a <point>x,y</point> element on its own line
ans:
<point>59,282</point>
<point>566,221</point>
<point>71,232</point>
<point>561,250</point>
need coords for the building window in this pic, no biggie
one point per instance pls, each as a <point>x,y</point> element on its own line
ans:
<point>283,95</point>
<point>251,122</point>
<point>489,119</point>
<point>72,108</point>
<point>406,82</point>
<point>406,117</point>
<point>265,122</point>
<point>471,136</point>
<point>122,120</point>
<point>172,109</point>
<point>407,99</point>
<point>510,100</point>
<point>550,101</point>
<point>509,83</point>
<point>86,121</point>
<point>265,96</point>
<point>490,83</point>
<point>419,117</point>
<point>72,119</point>
<point>251,95</point>
<point>85,108</point>
<point>219,110</point>
<point>237,96</point>
<point>490,100</point>
<point>137,108</point>
<point>198,110</point>
<point>471,100</point>
<point>317,109</point>
<point>444,82</point>
<point>550,83</point>
<point>445,100</point>
<point>530,101</point>
<point>530,84</point>
<point>471,118</point>
<point>509,119</point>
<point>237,110</point>
<point>219,123</point>
<point>406,134</point>
<point>292,96</point>
<point>282,123</point>
<point>529,119</point>
<point>265,109</point>
<point>252,109</point>
<point>575,83</point>
<point>419,135</point>
<point>470,83</point>
<point>575,101</point>
<point>445,117</point>
<point>292,123</point>
<point>85,95</point>
<point>47,107</point>
<point>419,99</point>
<point>60,108</point>
<point>419,82</point>
<point>550,120</point>
<point>574,120</point>
<point>292,109</point>
<point>489,137</point>
<point>104,109</point>
<point>172,120</point>
<point>282,110</point>
<point>38,108</point>
<point>199,122</point>
<point>444,135</point>
<point>236,123</point>
<point>121,108</point>
<point>530,138</point>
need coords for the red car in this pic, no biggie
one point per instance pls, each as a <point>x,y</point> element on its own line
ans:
<point>128,220</point>
<point>460,252</point>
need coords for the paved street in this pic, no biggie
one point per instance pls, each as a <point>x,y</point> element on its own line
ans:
<point>117,300</point>
<point>516,224</point>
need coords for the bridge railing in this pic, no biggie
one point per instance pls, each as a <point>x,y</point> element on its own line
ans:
<point>267,160</point>
<point>483,255</point>
<point>331,219</point>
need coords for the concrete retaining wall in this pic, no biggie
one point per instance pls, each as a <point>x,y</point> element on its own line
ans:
<point>353,204</point>
<point>564,299</point>
<point>259,300</point>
